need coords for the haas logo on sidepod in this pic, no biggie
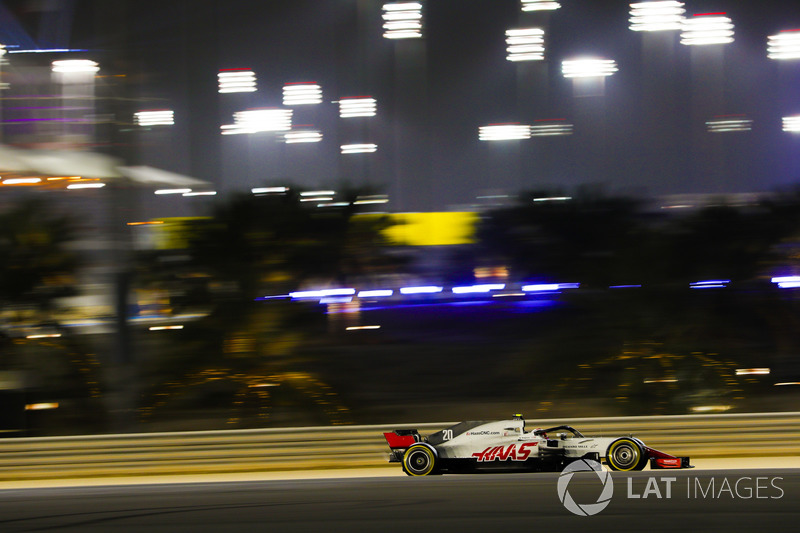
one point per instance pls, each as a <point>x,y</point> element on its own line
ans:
<point>506,453</point>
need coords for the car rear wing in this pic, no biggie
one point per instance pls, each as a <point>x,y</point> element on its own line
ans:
<point>402,438</point>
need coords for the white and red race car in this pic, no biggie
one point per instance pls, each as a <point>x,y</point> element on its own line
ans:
<point>505,446</point>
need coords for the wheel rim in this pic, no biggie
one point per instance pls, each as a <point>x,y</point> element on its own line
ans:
<point>418,461</point>
<point>625,456</point>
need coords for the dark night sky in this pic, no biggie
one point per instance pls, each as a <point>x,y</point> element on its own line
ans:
<point>181,45</point>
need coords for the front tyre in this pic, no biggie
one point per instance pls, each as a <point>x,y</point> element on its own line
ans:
<point>419,460</point>
<point>625,455</point>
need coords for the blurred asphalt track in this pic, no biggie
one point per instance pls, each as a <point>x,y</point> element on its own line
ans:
<point>527,502</point>
<point>387,470</point>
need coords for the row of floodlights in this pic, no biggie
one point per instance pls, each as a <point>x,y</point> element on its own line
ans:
<point>280,121</point>
<point>322,196</point>
<point>73,182</point>
<point>255,121</point>
<point>510,132</point>
<point>786,282</point>
<point>513,132</point>
<point>790,124</point>
<point>528,44</point>
<point>78,183</point>
<point>701,29</point>
<point>704,29</point>
<point>403,20</point>
<point>486,288</point>
<point>299,93</point>
<point>783,282</point>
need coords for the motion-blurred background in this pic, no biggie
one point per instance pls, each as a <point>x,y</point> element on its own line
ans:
<point>252,214</point>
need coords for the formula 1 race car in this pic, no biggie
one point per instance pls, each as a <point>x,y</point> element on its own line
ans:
<point>505,446</point>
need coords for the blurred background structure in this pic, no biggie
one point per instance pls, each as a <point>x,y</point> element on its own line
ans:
<point>279,213</point>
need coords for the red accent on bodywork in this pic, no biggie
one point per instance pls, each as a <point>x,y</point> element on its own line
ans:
<point>664,460</point>
<point>399,441</point>
<point>668,462</point>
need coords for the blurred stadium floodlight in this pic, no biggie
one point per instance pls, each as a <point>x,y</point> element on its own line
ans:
<point>372,199</point>
<point>359,148</point>
<point>504,132</point>
<point>323,293</point>
<point>710,284</point>
<point>302,136</point>
<point>787,282</point>
<point>402,20</point>
<point>726,124</point>
<point>237,81</point>
<point>525,44</point>
<point>21,181</point>
<point>539,5</point>
<point>259,120</point>
<point>425,289</point>
<point>302,94</point>
<point>95,185</point>
<point>172,191</point>
<point>549,128</point>
<point>270,190</point>
<point>76,78</point>
<point>69,66</point>
<point>784,45</point>
<point>377,293</point>
<point>360,106</point>
<point>155,117</point>
<point>541,287</point>
<point>588,68</point>
<point>707,29</point>
<point>657,16</point>
<point>791,124</point>
<point>479,289</point>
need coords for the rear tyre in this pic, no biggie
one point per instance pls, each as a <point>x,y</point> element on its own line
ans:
<point>625,455</point>
<point>419,460</point>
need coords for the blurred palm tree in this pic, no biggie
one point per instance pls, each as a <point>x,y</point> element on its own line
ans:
<point>644,378</point>
<point>254,247</point>
<point>588,239</point>
<point>601,241</point>
<point>36,265</point>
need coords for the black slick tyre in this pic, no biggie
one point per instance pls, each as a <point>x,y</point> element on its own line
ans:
<point>626,455</point>
<point>419,460</point>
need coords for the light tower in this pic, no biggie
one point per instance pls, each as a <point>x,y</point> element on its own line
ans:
<point>659,24</point>
<point>784,49</point>
<point>588,77</point>
<point>76,79</point>
<point>404,28</point>
<point>527,47</point>
<point>707,34</point>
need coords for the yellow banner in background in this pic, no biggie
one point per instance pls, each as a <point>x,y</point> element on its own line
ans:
<point>430,229</point>
<point>406,229</point>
